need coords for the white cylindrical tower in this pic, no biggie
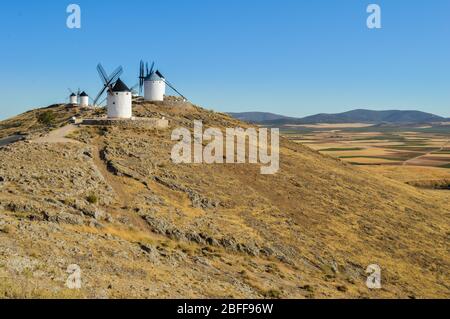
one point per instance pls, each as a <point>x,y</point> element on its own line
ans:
<point>120,102</point>
<point>154,88</point>
<point>84,99</point>
<point>73,99</point>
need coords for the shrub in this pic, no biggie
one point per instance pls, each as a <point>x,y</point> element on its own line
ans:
<point>307,288</point>
<point>342,288</point>
<point>46,118</point>
<point>273,294</point>
<point>92,199</point>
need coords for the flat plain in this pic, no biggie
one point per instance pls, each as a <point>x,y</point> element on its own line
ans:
<point>408,153</point>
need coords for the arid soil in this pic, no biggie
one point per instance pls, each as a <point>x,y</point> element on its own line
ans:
<point>140,226</point>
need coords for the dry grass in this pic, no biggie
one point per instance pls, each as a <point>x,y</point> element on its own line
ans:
<point>320,221</point>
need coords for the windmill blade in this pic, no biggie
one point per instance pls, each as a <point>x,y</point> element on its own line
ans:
<point>117,72</point>
<point>99,95</point>
<point>110,87</point>
<point>158,73</point>
<point>97,98</point>
<point>152,68</point>
<point>115,76</point>
<point>108,81</point>
<point>70,91</point>
<point>141,77</point>
<point>103,101</point>
<point>133,89</point>
<point>141,86</point>
<point>141,70</point>
<point>173,88</point>
<point>101,71</point>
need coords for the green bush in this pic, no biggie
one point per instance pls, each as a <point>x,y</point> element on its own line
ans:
<point>92,199</point>
<point>47,118</point>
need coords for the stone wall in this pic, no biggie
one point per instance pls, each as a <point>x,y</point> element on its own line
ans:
<point>129,123</point>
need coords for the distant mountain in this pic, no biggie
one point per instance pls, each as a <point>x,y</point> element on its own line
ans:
<point>259,117</point>
<point>355,116</point>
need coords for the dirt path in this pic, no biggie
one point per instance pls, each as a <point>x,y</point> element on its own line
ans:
<point>58,135</point>
<point>425,155</point>
<point>122,197</point>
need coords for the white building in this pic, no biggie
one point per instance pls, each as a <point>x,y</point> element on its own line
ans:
<point>73,99</point>
<point>120,101</point>
<point>154,88</point>
<point>84,99</point>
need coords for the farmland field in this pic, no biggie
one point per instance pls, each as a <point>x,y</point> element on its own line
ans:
<point>409,154</point>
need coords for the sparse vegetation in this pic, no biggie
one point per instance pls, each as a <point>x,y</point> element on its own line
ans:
<point>308,288</point>
<point>92,199</point>
<point>47,118</point>
<point>342,288</point>
<point>160,230</point>
<point>36,121</point>
<point>273,294</point>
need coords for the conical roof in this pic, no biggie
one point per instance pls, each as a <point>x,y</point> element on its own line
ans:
<point>83,94</point>
<point>120,87</point>
<point>73,94</point>
<point>153,77</point>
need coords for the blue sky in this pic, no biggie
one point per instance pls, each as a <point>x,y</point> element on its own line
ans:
<point>291,57</point>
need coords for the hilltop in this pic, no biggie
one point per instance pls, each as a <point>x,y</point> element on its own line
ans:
<point>355,116</point>
<point>110,200</point>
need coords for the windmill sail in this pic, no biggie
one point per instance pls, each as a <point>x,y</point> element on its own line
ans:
<point>169,84</point>
<point>108,81</point>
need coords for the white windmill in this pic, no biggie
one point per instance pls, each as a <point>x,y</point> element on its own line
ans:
<point>153,83</point>
<point>119,96</point>
<point>73,98</point>
<point>84,99</point>
<point>120,101</point>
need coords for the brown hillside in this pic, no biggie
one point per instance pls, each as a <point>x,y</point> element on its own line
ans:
<point>140,226</point>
